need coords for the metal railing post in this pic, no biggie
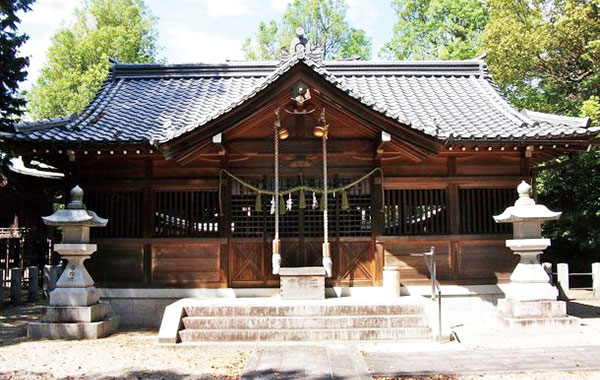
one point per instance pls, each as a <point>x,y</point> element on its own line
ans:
<point>436,291</point>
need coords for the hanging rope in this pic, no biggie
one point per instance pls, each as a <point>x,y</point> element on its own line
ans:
<point>276,193</point>
<point>325,216</point>
<point>295,189</point>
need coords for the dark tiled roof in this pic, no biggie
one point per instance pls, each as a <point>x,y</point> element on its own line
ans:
<point>445,99</point>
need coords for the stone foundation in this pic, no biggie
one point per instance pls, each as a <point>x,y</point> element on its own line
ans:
<point>531,315</point>
<point>75,330</point>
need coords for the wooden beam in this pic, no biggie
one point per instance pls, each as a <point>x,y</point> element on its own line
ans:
<point>443,182</point>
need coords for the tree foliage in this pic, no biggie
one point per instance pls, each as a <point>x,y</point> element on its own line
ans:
<point>325,26</point>
<point>78,59</point>
<point>545,53</point>
<point>12,66</point>
<point>572,185</point>
<point>436,29</point>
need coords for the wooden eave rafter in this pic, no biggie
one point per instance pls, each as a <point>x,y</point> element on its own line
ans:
<point>414,144</point>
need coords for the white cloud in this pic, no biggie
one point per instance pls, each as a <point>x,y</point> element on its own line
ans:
<point>186,45</point>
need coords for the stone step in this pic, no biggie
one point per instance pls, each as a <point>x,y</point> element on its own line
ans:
<point>301,310</point>
<point>230,335</point>
<point>306,322</point>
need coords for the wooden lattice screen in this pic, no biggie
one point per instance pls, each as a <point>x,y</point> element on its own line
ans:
<point>477,206</point>
<point>416,212</point>
<point>186,213</point>
<point>247,222</point>
<point>123,208</point>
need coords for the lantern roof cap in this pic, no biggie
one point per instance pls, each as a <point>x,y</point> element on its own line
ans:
<point>75,213</point>
<point>525,209</point>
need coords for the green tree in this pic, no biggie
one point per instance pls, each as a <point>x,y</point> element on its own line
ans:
<point>78,59</point>
<point>545,53</point>
<point>572,185</point>
<point>12,66</point>
<point>325,26</point>
<point>436,29</point>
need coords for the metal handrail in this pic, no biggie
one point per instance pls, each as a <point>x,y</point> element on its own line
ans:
<point>429,258</point>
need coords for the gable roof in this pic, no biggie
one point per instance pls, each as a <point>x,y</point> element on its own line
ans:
<point>448,100</point>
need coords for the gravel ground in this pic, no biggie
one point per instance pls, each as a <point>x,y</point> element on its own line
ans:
<point>124,355</point>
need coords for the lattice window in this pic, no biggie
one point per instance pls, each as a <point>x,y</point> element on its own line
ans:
<point>356,220</point>
<point>416,212</point>
<point>122,208</point>
<point>186,213</point>
<point>477,206</point>
<point>247,222</point>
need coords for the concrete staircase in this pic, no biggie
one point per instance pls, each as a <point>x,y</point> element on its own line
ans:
<point>279,320</point>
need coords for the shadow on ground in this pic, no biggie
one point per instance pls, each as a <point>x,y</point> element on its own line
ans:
<point>582,309</point>
<point>14,321</point>
<point>131,375</point>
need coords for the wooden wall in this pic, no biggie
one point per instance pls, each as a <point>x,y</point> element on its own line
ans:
<point>224,261</point>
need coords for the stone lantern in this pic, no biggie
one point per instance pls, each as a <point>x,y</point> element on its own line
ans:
<point>75,310</point>
<point>531,301</point>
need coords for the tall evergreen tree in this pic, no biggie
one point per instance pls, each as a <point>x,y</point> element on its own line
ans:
<point>78,59</point>
<point>325,25</point>
<point>12,66</point>
<point>436,29</point>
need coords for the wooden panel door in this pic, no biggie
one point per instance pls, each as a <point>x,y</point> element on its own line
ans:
<point>355,262</point>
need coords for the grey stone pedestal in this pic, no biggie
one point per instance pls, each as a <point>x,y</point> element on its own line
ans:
<point>302,283</point>
<point>530,315</point>
<point>74,322</point>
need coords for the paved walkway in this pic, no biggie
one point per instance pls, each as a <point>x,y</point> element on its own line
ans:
<point>483,361</point>
<point>329,361</point>
<point>309,362</point>
<point>483,348</point>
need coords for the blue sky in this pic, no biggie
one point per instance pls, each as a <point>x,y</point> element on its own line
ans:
<point>198,30</point>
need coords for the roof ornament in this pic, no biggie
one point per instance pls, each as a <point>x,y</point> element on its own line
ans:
<point>301,48</point>
<point>299,43</point>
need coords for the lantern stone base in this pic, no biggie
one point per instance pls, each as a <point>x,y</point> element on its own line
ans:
<point>73,330</point>
<point>74,322</point>
<point>302,283</point>
<point>540,314</point>
<point>92,313</point>
<point>74,296</point>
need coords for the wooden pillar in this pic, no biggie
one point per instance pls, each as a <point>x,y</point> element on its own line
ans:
<point>377,217</point>
<point>225,230</point>
<point>148,227</point>
<point>454,206</point>
<point>378,228</point>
